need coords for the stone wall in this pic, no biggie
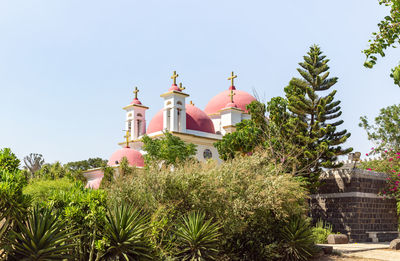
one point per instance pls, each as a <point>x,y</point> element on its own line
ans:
<point>348,199</point>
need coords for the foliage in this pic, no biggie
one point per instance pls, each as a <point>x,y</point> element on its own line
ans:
<point>388,36</point>
<point>321,231</point>
<point>249,134</point>
<point>169,149</point>
<point>83,165</point>
<point>298,240</point>
<point>385,132</point>
<point>126,234</point>
<point>246,196</point>
<point>84,211</point>
<point>8,160</point>
<point>33,162</point>
<point>317,134</point>
<point>197,238</point>
<point>13,204</point>
<point>41,237</point>
<point>40,190</point>
<point>52,171</point>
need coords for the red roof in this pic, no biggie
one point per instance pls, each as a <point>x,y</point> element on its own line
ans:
<point>196,119</point>
<point>220,101</point>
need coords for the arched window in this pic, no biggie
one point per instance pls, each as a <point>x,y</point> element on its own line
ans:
<point>179,103</point>
<point>139,115</point>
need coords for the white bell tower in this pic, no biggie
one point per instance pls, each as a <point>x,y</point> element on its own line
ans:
<point>135,122</point>
<point>174,117</point>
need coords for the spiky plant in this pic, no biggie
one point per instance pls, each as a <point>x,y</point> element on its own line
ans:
<point>297,240</point>
<point>125,232</point>
<point>41,237</point>
<point>197,239</point>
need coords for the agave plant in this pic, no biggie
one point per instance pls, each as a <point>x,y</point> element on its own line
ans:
<point>197,239</point>
<point>125,234</point>
<point>41,237</point>
<point>297,240</point>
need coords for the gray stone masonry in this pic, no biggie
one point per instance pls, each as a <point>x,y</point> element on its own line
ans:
<point>348,199</point>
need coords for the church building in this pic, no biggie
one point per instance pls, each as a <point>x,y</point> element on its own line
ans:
<point>181,118</point>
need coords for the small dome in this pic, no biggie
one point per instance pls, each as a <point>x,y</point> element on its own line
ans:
<point>196,119</point>
<point>134,157</point>
<point>175,87</point>
<point>136,101</point>
<point>220,101</point>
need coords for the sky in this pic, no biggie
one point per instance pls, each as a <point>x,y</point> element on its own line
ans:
<point>67,67</point>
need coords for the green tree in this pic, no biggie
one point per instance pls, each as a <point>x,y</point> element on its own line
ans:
<point>8,160</point>
<point>388,36</point>
<point>249,134</point>
<point>169,149</point>
<point>83,165</point>
<point>385,133</point>
<point>317,115</point>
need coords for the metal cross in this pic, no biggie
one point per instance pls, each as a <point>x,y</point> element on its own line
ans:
<point>127,136</point>
<point>233,76</point>
<point>174,76</point>
<point>181,87</point>
<point>136,91</point>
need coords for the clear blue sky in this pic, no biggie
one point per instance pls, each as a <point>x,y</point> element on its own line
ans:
<point>67,67</point>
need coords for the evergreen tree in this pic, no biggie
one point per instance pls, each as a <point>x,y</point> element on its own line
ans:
<point>318,115</point>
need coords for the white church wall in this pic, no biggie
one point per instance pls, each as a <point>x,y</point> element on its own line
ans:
<point>200,153</point>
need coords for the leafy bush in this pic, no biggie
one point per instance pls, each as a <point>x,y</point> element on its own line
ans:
<point>321,231</point>
<point>297,240</point>
<point>8,160</point>
<point>247,196</point>
<point>83,210</point>
<point>197,239</point>
<point>40,189</point>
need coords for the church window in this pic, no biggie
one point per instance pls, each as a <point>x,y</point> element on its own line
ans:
<point>179,120</point>
<point>139,127</point>
<point>179,103</point>
<point>139,115</point>
<point>168,119</point>
<point>207,154</point>
<point>218,132</point>
<point>129,125</point>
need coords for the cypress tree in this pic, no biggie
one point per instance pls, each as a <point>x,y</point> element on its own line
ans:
<point>318,116</point>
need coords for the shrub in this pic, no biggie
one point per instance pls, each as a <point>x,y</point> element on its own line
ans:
<point>41,237</point>
<point>297,240</point>
<point>197,238</point>
<point>321,231</point>
<point>245,196</point>
<point>8,160</point>
<point>40,189</point>
<point>125,234</point>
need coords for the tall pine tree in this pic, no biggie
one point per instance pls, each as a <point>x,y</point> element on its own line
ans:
<point>318,116</point>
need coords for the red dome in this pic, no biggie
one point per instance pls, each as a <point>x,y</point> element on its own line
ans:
<point>175,87</point>
<point>218,102</point>
<point>196,119</point>
<point>134,157</point>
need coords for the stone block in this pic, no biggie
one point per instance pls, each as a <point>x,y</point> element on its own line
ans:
<point>338,239</point>
<point>395,244</point>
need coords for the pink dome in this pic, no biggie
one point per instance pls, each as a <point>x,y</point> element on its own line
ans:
<point>220,101</point>
<point>196,119</point>
<point>136,101</point>
<point>175,87</point>
<point>134,157</point>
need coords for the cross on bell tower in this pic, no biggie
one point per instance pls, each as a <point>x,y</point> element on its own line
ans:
<point>174,76</point>
<point>136,92</point>
<point>231,94</point>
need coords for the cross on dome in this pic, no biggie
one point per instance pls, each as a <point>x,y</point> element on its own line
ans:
<point>127,138</point>
<point>232,78</point>
<point>181,87</point>
<point>174,76</point>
